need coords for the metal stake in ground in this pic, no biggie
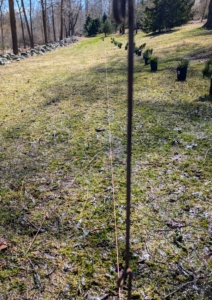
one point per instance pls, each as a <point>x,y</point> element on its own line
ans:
<point>119,15</point>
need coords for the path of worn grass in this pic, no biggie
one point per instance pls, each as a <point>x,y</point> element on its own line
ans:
<point>56,196</point>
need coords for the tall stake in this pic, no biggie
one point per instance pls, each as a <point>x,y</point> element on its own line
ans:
<point>119,12</point>
<point>129,137</point>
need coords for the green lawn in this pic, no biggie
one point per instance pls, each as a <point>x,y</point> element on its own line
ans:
<point>56,194</point>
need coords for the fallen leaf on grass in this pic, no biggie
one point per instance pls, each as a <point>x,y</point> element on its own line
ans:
<point>36,253</point>
<point>3,244</point>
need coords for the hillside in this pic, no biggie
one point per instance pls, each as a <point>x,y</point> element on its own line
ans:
<point>59,115</point>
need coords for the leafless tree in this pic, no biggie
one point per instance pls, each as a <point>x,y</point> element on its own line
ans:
<point>2,25</point>
<point>27,25</point>
<point>208,24</point>
<point>86,7</point>
<point>202,7</point>
<point>44,18</point>
<point>22,23</point>
<point>53,20</point>
<point>61,19</point>
<point>13,27</point>
<point>47,20</point>
<point>31,25</point>
<point>73,9</point>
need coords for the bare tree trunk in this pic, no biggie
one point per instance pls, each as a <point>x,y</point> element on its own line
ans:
<point>110,8</point>
<point>13,27</point>
<point>22,25</point>
<point>61,19</point>
<point>53,22</point>
<point>43,6</point>
<point>86,8</point>
<point>65,27</point>
<point>73,17</point>
<point>123,28</point>
<point>208,24</point>
<point>2,34</point>
<point>101,9</point>
<point>30,15</point>
<point>49,25</point>
<point>205,5</point>
<point>27,24</point>
<point>2,28</point>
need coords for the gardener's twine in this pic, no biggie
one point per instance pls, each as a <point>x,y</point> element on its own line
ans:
<point>112,171</point>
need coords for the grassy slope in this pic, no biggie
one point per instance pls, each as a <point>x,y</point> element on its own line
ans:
<point>55,173</point>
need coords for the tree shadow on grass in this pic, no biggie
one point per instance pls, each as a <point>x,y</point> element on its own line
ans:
<point>45,178</point>
<point>91,91</point>
<point>206,98</point>
<point>156,34</point>
<point>198,32</point>
<point>35,180</point>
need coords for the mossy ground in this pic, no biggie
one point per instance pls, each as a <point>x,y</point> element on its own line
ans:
<point>55,174</point>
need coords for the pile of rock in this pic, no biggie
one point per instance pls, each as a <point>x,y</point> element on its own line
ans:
<point>8,57</point>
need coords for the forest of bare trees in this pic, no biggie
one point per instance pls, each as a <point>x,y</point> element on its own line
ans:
<point>25,23</point>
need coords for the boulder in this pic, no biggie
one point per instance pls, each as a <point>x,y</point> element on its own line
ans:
<point>32,51</point>
<point>25,54</point>
<point>48,49</point>
<point>6,56</point>
<point>17,57</point>
<point>74,39</point>
<point>2,62</point>
<point>11,55</point>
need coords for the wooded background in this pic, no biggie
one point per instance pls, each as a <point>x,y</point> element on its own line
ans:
<point>24,23</point>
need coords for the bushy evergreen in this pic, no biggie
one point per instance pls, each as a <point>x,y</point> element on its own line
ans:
<point>106,27</point>
<point>92,26</point>
<point>104,17</point>
<point>166,14</point>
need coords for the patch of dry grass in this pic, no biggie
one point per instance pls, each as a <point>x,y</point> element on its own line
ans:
<point>55,176</point>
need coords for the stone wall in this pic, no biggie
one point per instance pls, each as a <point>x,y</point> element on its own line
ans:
<point>9,57</point>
